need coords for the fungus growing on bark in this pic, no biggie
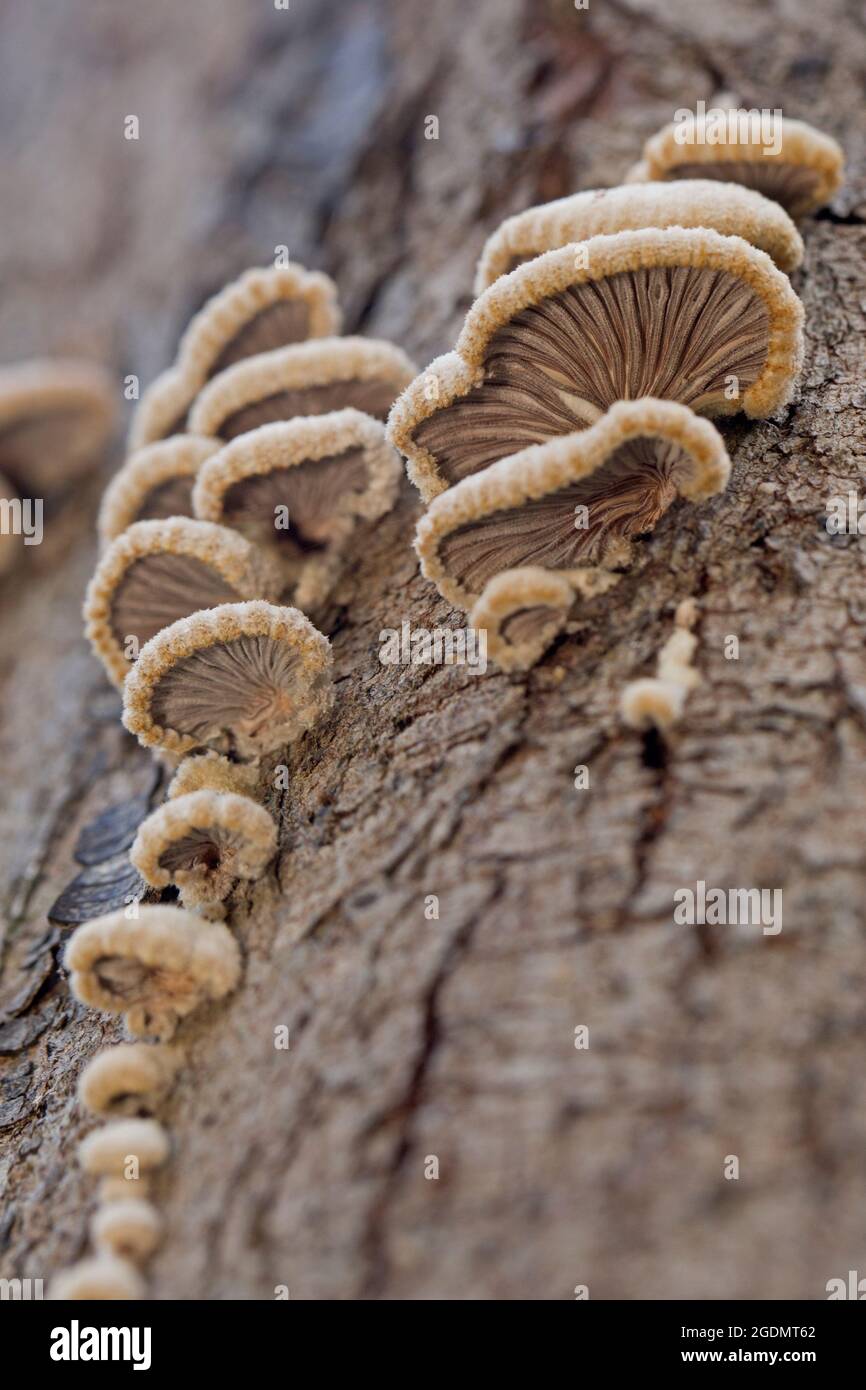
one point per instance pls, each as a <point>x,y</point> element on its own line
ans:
<point>203,842</point>
<point>300,487</point>
<point>728,209</point>
<point>212,772</point>
<point>684,314</point>
<point>154,483</point>
<point>262,310</point>
<point>245,678</point>
<point>566,502</point>
<point>108,1151</point>
<point>127,1079</point>
<point>120,1189</point>
<point>156,572</point>
<point>309,379</point>
<point>130,1229</point>
<point>154,969</point>
<point>660,700</point>
<point>522,611</point>
<point>56,418</point>
<point>786,160</point>
<point>96,1279</point>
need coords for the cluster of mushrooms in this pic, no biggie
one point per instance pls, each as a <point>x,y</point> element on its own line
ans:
<point>608,326</point>
<point>252,460</point>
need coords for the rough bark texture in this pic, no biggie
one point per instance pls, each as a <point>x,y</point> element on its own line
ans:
<point>455,1037</point>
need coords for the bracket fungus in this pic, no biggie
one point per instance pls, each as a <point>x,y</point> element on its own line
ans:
<point>659,701</point>
<point>154,969</point>
<point>262,310</point>
<point>98,1278</point>
<point>212,772</point>
<point>156,572</point>
<point>153,484</point>
<point>56,418</point>
<point>729,209</point>
<point>564,503</point>
<point>130,1229</point>
<point>309,379</point>
<point>245,678</point>
<point>106,1152</point>
<point>203,842</point>
<point>786,160</point>
<point>322,474</point>
<point>127,1079</point>
<point>679,314</point>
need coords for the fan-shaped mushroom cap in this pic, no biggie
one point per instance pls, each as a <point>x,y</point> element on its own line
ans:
<point>107,1151</point>
<point>727,208</point>
<point>159,571</point>
<point>56,417</point>
<point>526,509</point>
<point>308,379</point>
<point>203,842</point>
<point>244,678</point>
<point>212,772</point>
<point>327,471</point>
<point>96,1279</point>
<point>154,483</point>
<point>154,969</point>
<point>130,1229</point>
<point>548,348</point>
<point>802,174</point>
<point>262,310</point>
<point>521,611</point>
<point>128,1078</point>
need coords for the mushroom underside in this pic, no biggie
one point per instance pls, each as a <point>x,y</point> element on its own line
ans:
<point>791,185</point>
<point>236,688</point>
<point>283,322</point>
<point>373,395</point>
<point>158,589</point>
<point>625,497</point>
<point>314,494</point>
<point>132,981</point>
<point>35,439</point>
<point>171,498</point>
<point>678,333</point>
<point>527,623</point>
<point>207,848</point>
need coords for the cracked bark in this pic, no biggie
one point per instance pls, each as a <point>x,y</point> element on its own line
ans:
<point>454,1037</point>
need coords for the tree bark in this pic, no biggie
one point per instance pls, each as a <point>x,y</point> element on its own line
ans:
<point>412,1037</point>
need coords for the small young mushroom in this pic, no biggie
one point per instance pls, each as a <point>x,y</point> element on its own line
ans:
<point>56,418</point>
<point>300,487</point>
<point>245,678</point>
<point>684,314</point>
<point>312,378</point>
<point>568,501</point>
<point>789,161</point>
<point>522,611</point>
<point>262,310</point>
<point>154,483</point>
<point>727,208</point>
<point>212,772</point>
<point>203,842</point>
<point>127,1079</point>
<point>130,1229</point>
<point>123,1145</point>
<point>98,1278</point>
<point>659,701</point>
<point>156,572</point>
<point>155,969</point>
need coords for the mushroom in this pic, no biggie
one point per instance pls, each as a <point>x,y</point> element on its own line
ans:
<point>566,502</point>
<point>155,969</point>
<point>159,571</point>
<point>97,1278</point>
<point>107,1152</point>
<point>321,475</point>
<point>685,314</point>
<point>728,208</point>
<point>262,310</point>
<point>203,842</point>
<point>154,483</point>
<point>245,678</point>
<point>522,610</point>
<point>130,1229</point>
<point>56,417</point>
<point>121,1189</point>
<point>308,379</point>
<point>127,1079</point>
<point>660,700</point>
<point>799,166</point>
<point>212,772</point>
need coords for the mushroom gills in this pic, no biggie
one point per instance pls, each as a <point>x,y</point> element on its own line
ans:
<point>283,322</point>
<point>204,849</point>
<point>171,498</point>
<point>373,395</point>
<point>791,185</point>
<point>26,440</point>
<point>311,491</point>
<point>678,333</point>
<point>158,589</point>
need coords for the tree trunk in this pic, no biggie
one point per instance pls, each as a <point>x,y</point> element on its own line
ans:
<point>411,1036</point>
